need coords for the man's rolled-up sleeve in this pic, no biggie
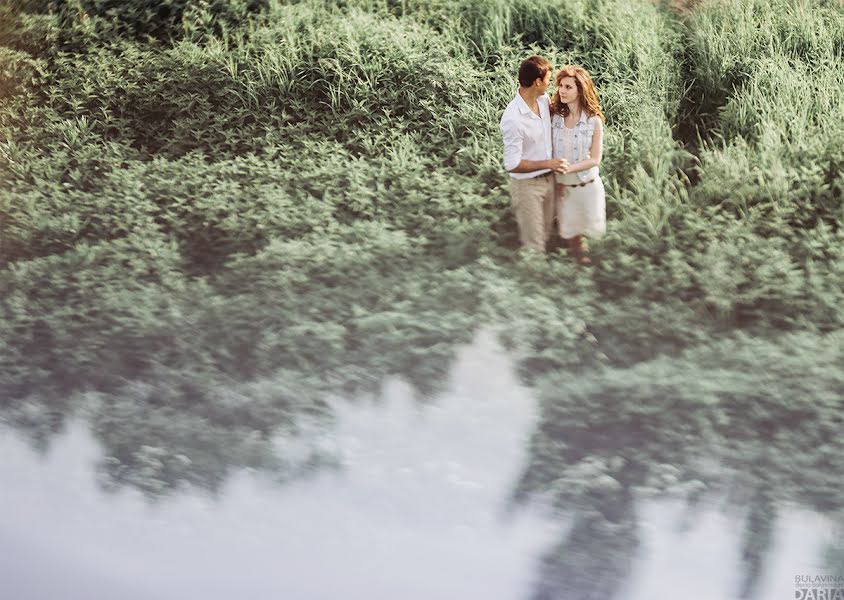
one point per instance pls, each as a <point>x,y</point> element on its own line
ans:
<point>513,135</point>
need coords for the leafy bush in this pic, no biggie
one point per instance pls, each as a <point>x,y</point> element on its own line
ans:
<point>19,72</point>
<point>85,22</point>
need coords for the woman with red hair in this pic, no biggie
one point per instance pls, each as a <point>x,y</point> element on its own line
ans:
<point>577,124</point>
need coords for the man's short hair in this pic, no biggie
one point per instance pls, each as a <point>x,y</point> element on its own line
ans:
<point>533,68</point>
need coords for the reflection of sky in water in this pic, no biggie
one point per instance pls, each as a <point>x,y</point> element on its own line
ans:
<point>417,512</point>
<point>699,556</point>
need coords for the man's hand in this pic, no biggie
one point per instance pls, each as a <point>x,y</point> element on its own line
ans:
<point>558,165</point>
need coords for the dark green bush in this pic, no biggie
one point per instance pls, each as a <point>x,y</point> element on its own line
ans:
<point>19,72</point>
<point>26,27</point>
<point>82,23</point>
<point>161,102</point>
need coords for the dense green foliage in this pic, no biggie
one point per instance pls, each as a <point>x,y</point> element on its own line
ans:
<point>214,213</point>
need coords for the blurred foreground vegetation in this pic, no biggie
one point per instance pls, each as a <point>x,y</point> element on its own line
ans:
<point>215,213</point>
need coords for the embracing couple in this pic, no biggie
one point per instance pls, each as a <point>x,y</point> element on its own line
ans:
<point>552,148</point>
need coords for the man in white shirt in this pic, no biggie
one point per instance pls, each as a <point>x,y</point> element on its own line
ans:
<point>526,129</point>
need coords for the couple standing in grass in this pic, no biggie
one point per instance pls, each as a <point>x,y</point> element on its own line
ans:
<point>552,148</point>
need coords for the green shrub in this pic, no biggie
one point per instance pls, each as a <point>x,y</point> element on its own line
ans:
<point>25,27</point>
<point>19,72</point>
<point>162,102</point>
<point>82,23</point>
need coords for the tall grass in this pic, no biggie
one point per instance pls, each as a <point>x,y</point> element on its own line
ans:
<point>726,39</point>
<point>769,75</point>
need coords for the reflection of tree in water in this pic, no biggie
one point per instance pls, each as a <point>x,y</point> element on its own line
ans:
<point>758,535</point>
<point>712,419</point>
<point>609,532</point>
<point>184,431</point>
<point>580,457</point>
<point>185,380</point>
<point>834,551</point>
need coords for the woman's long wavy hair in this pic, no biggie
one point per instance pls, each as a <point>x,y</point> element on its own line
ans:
<point>585,91</point>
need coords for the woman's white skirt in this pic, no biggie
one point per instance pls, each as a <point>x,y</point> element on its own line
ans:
<point>581,210</point>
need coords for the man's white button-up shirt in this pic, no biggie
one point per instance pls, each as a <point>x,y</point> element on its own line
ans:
<point>526,135</point>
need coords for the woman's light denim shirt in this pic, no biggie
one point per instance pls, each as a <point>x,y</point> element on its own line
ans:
<point>584,129</point>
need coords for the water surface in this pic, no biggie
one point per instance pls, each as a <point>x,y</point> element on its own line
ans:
<point>416,502</point>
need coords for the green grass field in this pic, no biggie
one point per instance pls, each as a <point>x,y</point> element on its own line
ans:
<point>199,200</point>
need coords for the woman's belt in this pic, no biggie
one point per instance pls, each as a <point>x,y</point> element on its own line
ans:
<point>577,184</point>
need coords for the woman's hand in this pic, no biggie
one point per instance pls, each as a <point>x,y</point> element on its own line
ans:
<point>559,165</point>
